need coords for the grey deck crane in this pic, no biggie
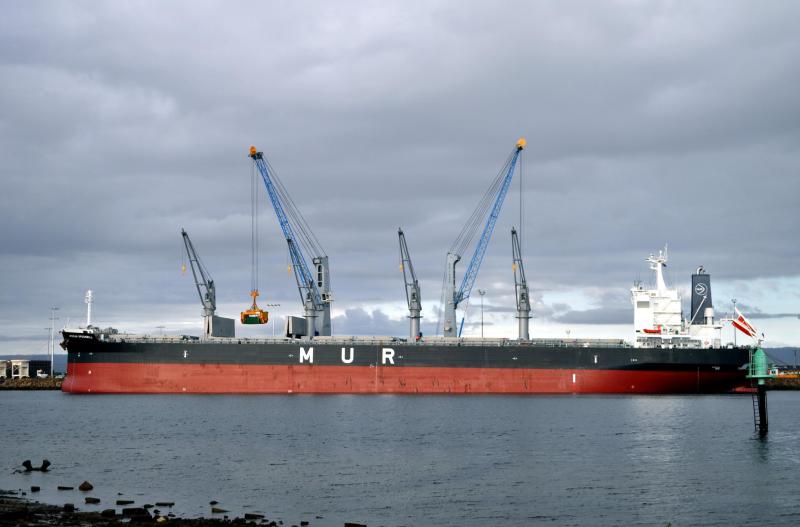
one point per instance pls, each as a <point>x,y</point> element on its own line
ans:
<point>521,287</point>
<point>413,296</point>
<point>212,324</point>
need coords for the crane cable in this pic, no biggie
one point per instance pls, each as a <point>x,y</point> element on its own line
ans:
<point>305,237</point>
<point>253,231</point>
<point>477,219</point>
<point>474,224</point>
<point>521,200</point>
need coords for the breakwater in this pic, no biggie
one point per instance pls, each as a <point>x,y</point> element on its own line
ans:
<point>31,383</point>
<point>784,383</point>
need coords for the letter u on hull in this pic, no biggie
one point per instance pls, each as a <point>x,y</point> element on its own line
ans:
<point>347,359</point>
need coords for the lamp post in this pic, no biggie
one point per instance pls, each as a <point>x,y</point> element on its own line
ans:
<point>733,316</point>
<point>273,322</point>
<point>52,346</point>
<point>48,345</point>
<point>481,292</point>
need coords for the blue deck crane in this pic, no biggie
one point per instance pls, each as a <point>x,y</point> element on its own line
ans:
<point>491,203</point>
<point>303,246</point>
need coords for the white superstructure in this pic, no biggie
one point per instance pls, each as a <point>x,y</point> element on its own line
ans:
<point>658,317</point>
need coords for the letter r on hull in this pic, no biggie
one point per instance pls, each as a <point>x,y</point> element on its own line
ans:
<point>388,355</point>
<point>307,355</point>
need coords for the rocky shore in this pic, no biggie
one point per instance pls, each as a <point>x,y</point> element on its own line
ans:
<point>17,510</point>
<point>30,383</point>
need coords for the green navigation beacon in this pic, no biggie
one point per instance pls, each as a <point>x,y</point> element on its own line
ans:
<point>758,371</point>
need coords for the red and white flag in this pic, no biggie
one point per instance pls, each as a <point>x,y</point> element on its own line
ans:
<point>743,325</point>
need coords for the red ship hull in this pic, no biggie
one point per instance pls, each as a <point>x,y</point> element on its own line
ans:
<point>313,379</point>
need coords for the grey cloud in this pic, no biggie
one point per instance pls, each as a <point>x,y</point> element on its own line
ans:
<point>478,324</point>
<point>755,312</point>
<point>499,309</point>
<point>646,123</point>
<point>359,321</point>
<point>22,338</point>
<point>596,316</point>
<point>775,315</point>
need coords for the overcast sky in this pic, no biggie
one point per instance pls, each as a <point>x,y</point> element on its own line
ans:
<point>647,123</point>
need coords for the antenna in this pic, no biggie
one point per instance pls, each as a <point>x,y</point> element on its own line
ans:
<point>89,301</point>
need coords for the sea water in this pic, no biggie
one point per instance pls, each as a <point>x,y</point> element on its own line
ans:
<point>415,460</point>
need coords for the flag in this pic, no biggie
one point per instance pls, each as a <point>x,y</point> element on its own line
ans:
<point>743,325</point>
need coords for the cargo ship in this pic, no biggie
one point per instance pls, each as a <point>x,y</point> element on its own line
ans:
<point>670,353</point>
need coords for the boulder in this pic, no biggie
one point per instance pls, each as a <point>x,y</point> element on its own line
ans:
<point>30,468</point>
<point>85,486</point>
<point>131,512</point>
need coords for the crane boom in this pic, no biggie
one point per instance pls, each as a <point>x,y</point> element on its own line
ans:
<point>213,326</point>
<point>520,287</point>
<point>498,189</point>
<point>413,296</point>
<point>202,280</point>
<point>314,291</point>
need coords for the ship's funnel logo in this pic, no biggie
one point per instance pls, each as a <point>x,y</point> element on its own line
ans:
<point>700,289</point>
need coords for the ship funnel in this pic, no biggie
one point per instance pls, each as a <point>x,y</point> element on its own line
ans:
<point>702,307</point>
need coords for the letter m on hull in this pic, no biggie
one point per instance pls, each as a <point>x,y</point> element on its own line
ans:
<point>307,355</point>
